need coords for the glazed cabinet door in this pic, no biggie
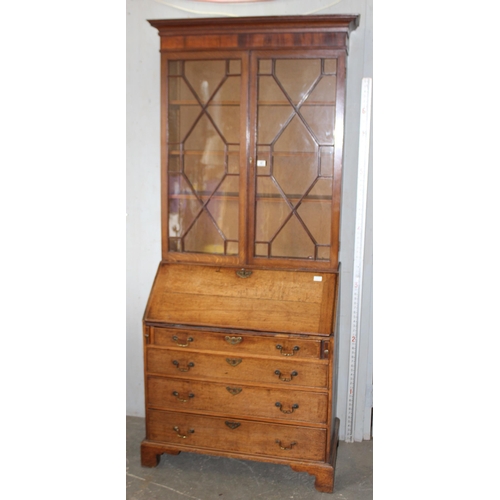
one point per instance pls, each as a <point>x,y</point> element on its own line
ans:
<point>296,101</point>
<point>204,127</point>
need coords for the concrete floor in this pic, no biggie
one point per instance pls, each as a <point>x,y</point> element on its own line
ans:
<point>203,477</point>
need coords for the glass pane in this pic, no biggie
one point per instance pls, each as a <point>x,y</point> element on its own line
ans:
<point>184,207</point>
<point>179,92</point>
<point>317,216</point>
<point>297,76</point>
<point>229,92</point>
<point>295,174</point>
<point>204,77</point>
<point>323,92</point>
<point>323,253</point>
<point>235,67</point>
<point>293,241</point>
<point>204,236</point>
<point>175,68</point>
<point>180,121</point>
<point>330,66</point>
<point>205,172</point>
<point>321,120</point>
<point>174,163</point>
<point>232,248</point>
<point>271,120</point>
<point>265,66</point>
<point>204,137</point>
<point>175,244</point>
<point>326,161</point>
<point>227,120</point>
<point>295,138</point>
<point>263,162</point>
<point>262,249</point>
<point>272,210</point>
<point>229,186</point>
<point>178,185</point>
<point>270,92</point>
<point>321,190</point>
<point>233,162</point>
<point>224,210</point>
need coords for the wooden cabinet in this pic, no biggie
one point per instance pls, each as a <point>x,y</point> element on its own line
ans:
<point>239,328</point>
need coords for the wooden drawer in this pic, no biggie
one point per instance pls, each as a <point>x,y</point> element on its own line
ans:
<point>192,364</point>
<point>279,345</point>
<point>231,435</point>
<point>231,399</point>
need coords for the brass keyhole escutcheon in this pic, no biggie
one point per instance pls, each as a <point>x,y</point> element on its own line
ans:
<point>286,379</point>
<point>234,362</point>
<point>292,353</point>
<point>292,444</point>
<point>232,425</point>
<point>183,436</point>
<point>291,410</point>
<point>182,400</point>
<point>180,368</point>
<point>243,273</point>
<point>234,390</point>
<point>177,342</point>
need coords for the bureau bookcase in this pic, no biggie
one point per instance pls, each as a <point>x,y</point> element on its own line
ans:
<point>239,329</point>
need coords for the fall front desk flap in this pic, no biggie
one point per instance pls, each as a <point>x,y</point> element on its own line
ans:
<point>253,299</point>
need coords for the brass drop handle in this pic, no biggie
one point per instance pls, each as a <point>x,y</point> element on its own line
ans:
<point>233,340</point>
<point>294,350</point>
<point>176,340</point>
<point>292,444</point>
<point>176,394</point>
<point>292,409</point>
<point>285,379</point>
<point>183,436</point>
<point>189,365</point>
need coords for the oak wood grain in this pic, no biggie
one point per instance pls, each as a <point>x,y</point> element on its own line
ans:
<point>237,435</point>
<point>268,300</point>
<point>237,400</point>
<point>279,345</point>
<point>218,367</point>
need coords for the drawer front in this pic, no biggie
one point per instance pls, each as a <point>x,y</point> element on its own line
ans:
<point>280,346</point>
<point>241,436</point>
<point>190,364</point>
<point>231,399</point>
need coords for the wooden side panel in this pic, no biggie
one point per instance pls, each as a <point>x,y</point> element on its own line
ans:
<point>275,301</point>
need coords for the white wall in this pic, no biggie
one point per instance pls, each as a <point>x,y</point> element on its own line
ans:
<point>143,175</point>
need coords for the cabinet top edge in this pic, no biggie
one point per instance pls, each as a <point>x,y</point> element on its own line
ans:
<point>347,22</point>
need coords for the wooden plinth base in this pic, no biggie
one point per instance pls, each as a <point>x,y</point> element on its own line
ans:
<point>323,472</point>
